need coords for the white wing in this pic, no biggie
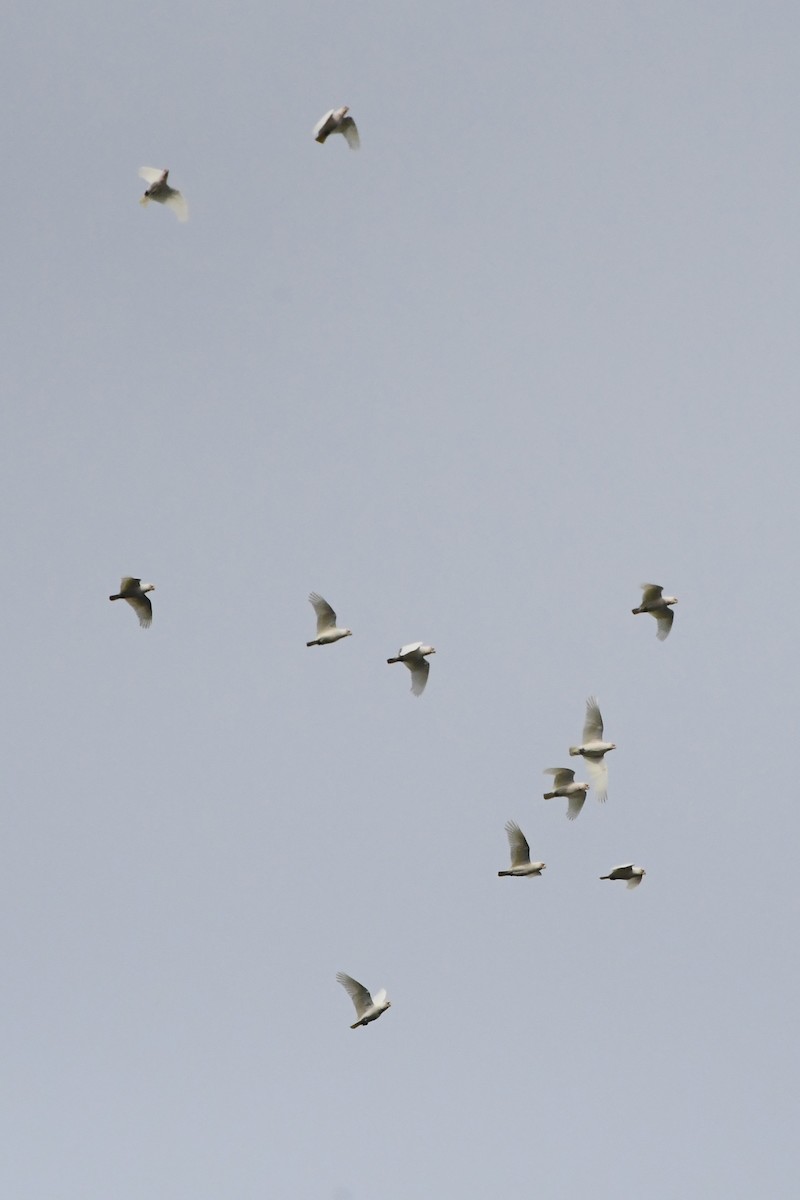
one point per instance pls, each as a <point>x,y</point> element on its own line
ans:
<point>143,608</point>
<point>518,844</point>
<point>576,803</point>
<point>665,618</point>
<point>409,649</point>
<point>379,997</point>
<point>593,725</point>
<point>357,993</point>
<point>598,774</point>
<point>326,617</point>
<point>651,592</point>
<point>153,174</point>
<point>561,776</point>
<point>322,122</point>
<point>419,669</point>
<point>635,880</point>
<point>348,128</point>
<point>176,202</point>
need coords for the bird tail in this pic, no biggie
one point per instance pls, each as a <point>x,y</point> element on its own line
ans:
<point>574,750</point>
<point>549,796</point>
<point>115,597</point>
<point>393,660</point>
<point>312,643</point>
<point>503,873</point>
<point>636,611</point>
<point>605,876</point>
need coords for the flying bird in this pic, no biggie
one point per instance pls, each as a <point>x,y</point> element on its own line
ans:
<point>520,853</point>
<point>162,193</point>
<point>594,749</point>
<point>414,655</point>
<point>337,121</point>
<point>564,785</point>
<point>628,871</point>
<point>326,622</point>
<point>368,1008</point>
<point>134,591</point>
<point>658,606</point>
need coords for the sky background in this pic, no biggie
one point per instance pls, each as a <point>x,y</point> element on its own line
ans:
<point>534,344</point>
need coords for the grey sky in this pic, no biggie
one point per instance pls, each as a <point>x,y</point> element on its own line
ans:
<point>534,344</point>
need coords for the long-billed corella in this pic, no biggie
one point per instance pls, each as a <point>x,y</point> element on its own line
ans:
<point>564,785</point>
<point>162,192</point>
<point>337,121</point>
<point>327,631</point>
<point>135,592</point>
<point>594,749</point>
<point>628,871</point>
<point>415,657</point>
<point>659,606</point>
<point>521,864</point>
<point>368,1008</point>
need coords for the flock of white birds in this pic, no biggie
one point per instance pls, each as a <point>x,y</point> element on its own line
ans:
<point>593,748</point>
<point>335,121</point>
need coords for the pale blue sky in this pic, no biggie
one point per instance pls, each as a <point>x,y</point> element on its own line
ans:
<point>534,344</point>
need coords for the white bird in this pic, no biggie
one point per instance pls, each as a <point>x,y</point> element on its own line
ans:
<point>368,1008</point>
<point>414,655</point>
<point>326,622</point>
<point>337,121</point>
<point>628,871</point>
<point>162,193</point>
<point>134,591</point>
<point>658,606</point>
<point>564,785</point>
<point>520,853</point>
<point>594,749</point>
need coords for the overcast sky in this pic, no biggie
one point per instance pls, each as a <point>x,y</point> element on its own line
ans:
<point>534,344</point>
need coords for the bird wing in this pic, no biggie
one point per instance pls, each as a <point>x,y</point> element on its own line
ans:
<point>593,725</point>
<point>598,774</point>
<point>561,776</point>
<point>411,648</point>
<point>143,609</point>
<point>357,993</point>
<point>379,997</point>
<point>322,123</point>
<point>665,617</point>
<point>419,668</point>
<point>176,202</point>
<point>129,584</point>
<point>576,803</point>
<point>622,872</point>
<point>153,174</point>
<point>651,592</point>
<point>348,128</point>
<point>326,617</point>
<point>635,880</point>
<point>518,844</point>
